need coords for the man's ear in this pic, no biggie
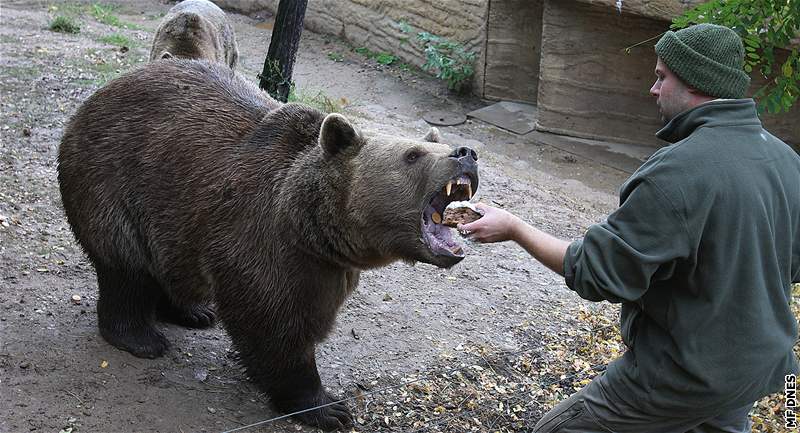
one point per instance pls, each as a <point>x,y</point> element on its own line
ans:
<point>337,135</point>
<point>433,136</point>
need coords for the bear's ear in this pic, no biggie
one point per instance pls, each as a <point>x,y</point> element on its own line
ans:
<point>166,55</point>
<point>338,135</point>
<point>433,136</point>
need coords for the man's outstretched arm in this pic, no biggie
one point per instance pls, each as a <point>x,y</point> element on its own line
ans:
<point>498,225</point>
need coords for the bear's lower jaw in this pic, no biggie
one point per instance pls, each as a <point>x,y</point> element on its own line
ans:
<point>439,238</point>
<point>440,241</point>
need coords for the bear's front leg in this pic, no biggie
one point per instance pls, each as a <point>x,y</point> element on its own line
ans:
<point>298,387</point>
<point>278,355</point>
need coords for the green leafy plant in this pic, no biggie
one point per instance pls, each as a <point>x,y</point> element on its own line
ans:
<point>336,57</point>
<point>385,58</point>
<point>272,80</point>
<point>364,51</point>
<point>382,58</point>
<point>405,28</point>
<point>765,26</point>
<point>449,60</point>
<point>117,39</point>
<point>105,14</point>
<point>318,100</point>
<point>64,24</point>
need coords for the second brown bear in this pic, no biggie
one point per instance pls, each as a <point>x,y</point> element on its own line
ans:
<point>196,29</point>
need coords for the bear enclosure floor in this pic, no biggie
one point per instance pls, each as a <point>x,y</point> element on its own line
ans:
<point>490,344</point>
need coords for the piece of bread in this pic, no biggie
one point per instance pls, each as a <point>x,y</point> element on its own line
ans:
<point>460,212</point>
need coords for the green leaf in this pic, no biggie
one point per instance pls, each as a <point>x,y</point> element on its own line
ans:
<point>787,70</point>
<point>772,107</point>
<point>385,58</point>
<point>752,42</point>
<point>404,27</point>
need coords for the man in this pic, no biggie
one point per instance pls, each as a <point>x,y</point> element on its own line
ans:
<point>701,253</point>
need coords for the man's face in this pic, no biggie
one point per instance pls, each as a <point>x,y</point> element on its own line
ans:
<point>672,93</point>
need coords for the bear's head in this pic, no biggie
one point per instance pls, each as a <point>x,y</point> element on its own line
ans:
<point>383,197</point>
<point>188,36</point>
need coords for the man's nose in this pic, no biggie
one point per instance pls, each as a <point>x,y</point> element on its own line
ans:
<point>655,89</point>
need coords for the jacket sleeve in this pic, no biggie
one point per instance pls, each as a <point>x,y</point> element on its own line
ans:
<point>641,242</point>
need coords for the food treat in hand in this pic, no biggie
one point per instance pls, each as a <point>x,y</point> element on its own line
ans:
<point>460,212</point>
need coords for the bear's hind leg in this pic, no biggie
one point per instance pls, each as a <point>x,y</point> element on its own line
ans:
<point>196,315</point>
<point>126,312</point>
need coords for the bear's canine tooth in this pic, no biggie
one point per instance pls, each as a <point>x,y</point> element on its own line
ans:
<point>448,187</point>
<point>469,190</point>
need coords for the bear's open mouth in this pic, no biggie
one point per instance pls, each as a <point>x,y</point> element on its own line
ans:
<point>436,235</point>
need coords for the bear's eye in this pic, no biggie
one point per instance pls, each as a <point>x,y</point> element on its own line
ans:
<point>413,155</point>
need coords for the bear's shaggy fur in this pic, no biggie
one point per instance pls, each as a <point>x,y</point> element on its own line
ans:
<point>186,184</point>
<point>196,29</point>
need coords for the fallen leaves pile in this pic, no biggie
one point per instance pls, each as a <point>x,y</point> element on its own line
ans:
<point>495,391</point>
<point>485,390</point>
<point>768,415</point>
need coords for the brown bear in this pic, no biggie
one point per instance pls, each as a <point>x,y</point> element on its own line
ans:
<point>185,184</point>
<point>196,29</point>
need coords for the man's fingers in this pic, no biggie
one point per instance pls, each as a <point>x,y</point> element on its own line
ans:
<point>466,227</point>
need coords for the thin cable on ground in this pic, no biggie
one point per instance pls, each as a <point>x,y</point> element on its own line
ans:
<point>430,375</point>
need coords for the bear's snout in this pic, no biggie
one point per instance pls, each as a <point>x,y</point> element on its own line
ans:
<point>463,153</point>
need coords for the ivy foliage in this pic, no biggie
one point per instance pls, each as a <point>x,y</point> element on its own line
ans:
<point>765,26</point>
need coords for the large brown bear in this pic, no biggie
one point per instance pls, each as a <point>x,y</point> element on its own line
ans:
<point>185,184</point>
<point>196,29</point>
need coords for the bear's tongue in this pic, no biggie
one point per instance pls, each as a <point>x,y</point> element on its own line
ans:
<point>438,236</point>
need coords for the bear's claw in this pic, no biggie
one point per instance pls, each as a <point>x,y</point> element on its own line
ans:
<point>194,316</point>
<point>334,417</point>
<point>141,341</point>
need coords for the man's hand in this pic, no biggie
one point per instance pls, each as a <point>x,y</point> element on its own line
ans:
<point>496,225</point>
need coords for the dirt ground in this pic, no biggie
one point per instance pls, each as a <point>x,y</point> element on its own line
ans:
<point>57,374</point>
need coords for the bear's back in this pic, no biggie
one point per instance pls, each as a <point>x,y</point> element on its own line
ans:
<point>166,106</point>
<point>157,157</point>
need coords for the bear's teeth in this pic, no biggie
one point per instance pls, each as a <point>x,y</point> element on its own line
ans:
<point>469,190</point>
<point>448,187</point>
<point>436,218</point>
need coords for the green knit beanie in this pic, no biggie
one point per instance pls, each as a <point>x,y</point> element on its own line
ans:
<point>707,57</point>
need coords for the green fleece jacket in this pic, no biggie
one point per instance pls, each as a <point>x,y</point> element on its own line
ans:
<point>701,253</point>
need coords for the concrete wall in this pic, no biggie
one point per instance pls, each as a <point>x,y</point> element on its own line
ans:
<point>589,86</point>
<point>656,9</point>
<point>374,23</point>
<point>513,50</point>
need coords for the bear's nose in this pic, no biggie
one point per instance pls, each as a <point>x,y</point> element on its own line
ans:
<point>463,152</point>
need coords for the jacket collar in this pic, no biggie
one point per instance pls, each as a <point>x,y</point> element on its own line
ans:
<point>719,112</point>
